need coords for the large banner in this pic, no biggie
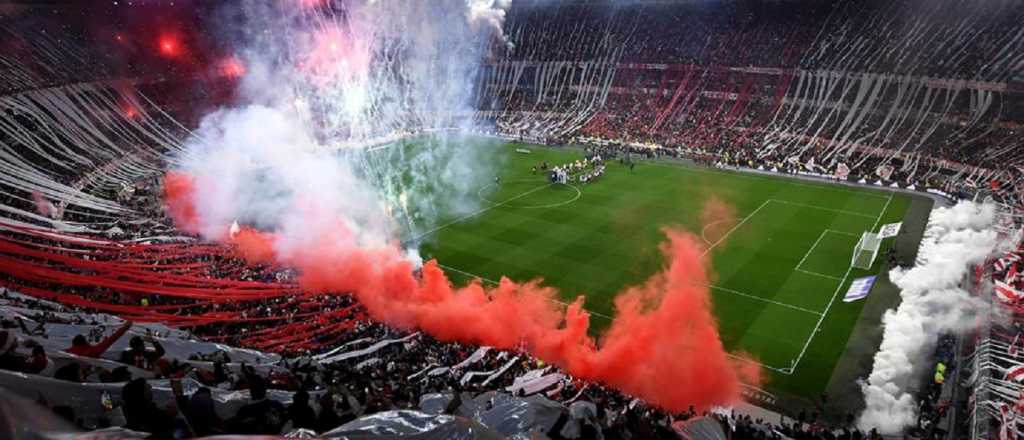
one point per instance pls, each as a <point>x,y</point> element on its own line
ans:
<point>842,171</point>
<point>890,230</point>
<point>859,289</point>
<point>721,96</point>
<point>884,171</point>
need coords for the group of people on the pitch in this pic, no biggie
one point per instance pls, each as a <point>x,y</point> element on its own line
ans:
<point>580,170</point>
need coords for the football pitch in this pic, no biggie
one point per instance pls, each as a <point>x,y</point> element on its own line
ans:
<point>780,257</point>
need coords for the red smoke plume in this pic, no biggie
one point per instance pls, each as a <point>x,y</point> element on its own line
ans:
<point>230,67</point>
<point>179,193</point>
<point>663,345</point>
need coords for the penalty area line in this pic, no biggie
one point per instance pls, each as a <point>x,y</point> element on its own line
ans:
<point>766,366</point>
<point>819,274</point>
<point>787,370</point>
<point>734,228</point>
<point>811,250</point>
<point>848,234</point>
<point>762,299</point>
<point>822,208</point>
<point>799,266</point>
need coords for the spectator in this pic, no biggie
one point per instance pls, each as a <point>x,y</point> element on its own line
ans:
<point>201,413</point>
<point>137,355</point>
<point>81,347</point>
<point>67,413</point>
<point>9,359</point>
<point>328,418</point>
<point>38,330</point>
<point>73,372</point>
<point>39,363</point>
<point>141,414</point>
<point>262,415</point>
<point>302,415</point>
<point>119,374</point>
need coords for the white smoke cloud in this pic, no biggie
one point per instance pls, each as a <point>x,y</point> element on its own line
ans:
<point>932,303</point>
<point>260,165</point>
<point>323,81</point>
<point>490,12</point>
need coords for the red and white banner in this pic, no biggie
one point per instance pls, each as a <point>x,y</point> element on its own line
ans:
<point>1004,262</point>
<point>884,171</point>
<point>842,171</point>
<point>722,96</point>
<point>1006,292</point>
<point>1015,373</point>
<point>1007,423</point>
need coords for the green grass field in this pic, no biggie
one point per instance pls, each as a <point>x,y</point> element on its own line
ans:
<point>781,263</point>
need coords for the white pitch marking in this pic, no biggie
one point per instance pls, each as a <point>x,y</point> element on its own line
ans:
<point>843,233</point>
<point>776,369</point>
<point>762,299</point>
<point>818,274</point>
<point>839,211</point>
<point>704,230</point>
<point>730,231</point>
<point>809,251</point>
<point>481,211</point>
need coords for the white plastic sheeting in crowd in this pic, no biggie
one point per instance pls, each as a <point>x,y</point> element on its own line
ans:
<point>85,398</point>
<point>364,351</point>
<point>176,343</point>
<point>412,425</point>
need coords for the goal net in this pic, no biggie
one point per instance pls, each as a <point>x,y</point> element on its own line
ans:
<point>866,251</point>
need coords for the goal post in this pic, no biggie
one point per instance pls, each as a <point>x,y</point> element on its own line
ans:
<point>870,242</point>
<point>866,251</point>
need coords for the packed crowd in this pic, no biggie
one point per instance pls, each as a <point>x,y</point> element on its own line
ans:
<point>992,394</point>
<point>373,369</point>
<point>320,363</point>
<point>832,35</point>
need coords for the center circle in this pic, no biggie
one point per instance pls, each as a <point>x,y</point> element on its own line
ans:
<point>513,200</point>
